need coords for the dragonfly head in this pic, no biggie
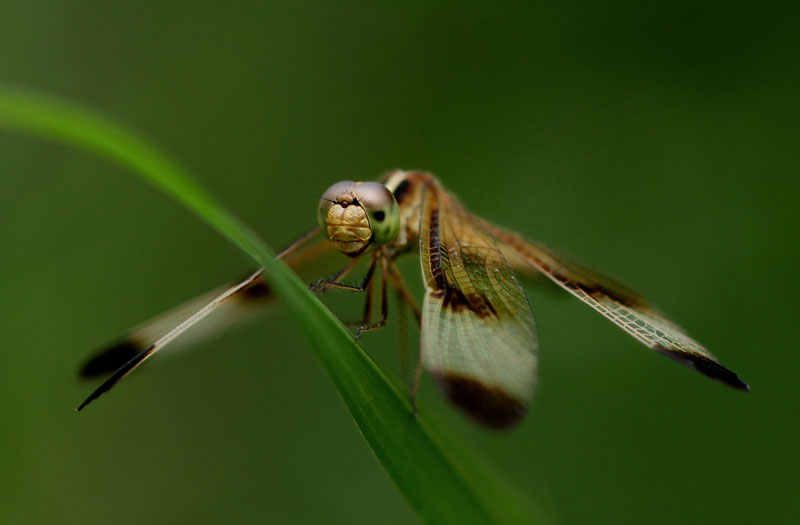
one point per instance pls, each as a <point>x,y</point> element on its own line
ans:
<point>355,214</point>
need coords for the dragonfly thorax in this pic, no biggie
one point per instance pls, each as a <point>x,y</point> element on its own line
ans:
<point>355,214</point>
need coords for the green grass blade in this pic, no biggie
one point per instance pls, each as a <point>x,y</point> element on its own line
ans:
<point>443,482</point>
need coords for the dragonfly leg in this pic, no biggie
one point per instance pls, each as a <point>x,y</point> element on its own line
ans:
<point>367,308</point>
<point>333,282</point>
<point>411,369</point>
<point>384,302</point>
<point>402,291</point>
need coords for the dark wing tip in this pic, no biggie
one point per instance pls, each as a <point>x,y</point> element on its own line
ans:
<point>86,402</point>
<point>489,405</point>
<point>124,370</point>
<point>110,358</point>
<point>707,367</point>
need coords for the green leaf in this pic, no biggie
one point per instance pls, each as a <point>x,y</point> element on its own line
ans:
<point>443,482</point>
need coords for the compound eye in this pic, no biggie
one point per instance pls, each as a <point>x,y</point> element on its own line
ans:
<point>329,198</point>
<point>381,208</point>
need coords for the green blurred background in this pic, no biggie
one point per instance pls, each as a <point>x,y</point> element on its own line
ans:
<point>656,143</point>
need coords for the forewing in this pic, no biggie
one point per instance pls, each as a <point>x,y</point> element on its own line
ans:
<point>240,307</point>
<point>625,308</point>
<point>201,317</point>
<point>310,250</point>
<point>478,333</point>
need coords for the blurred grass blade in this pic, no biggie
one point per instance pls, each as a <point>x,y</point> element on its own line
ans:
<point>443,483</point>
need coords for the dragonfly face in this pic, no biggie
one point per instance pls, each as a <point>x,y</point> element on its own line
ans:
<point>478,337</point>
<point>355,214</point>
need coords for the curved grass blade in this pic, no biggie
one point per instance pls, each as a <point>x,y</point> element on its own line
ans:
<point>443,484</point>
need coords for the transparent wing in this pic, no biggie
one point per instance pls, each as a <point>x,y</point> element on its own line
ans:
<point>241,306</point>
<point>628,310</point>
<point>478,337</point>
<point>225,297</point>
<point>200,318</point>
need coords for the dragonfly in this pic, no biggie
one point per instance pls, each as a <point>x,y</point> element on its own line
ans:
<point>478,336</point>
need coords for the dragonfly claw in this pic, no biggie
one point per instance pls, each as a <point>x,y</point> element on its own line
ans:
<point>318,287</point>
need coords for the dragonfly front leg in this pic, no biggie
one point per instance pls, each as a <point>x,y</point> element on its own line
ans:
<point>333,282</point>
<point>365,286</point>
<point>367,308</point>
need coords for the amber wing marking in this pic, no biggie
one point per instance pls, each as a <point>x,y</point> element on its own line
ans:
<point>478,333</point>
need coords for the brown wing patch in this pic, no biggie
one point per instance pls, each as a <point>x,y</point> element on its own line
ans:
<point>489,405</point>
<point>457,301</point>
<point>444,283</point>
